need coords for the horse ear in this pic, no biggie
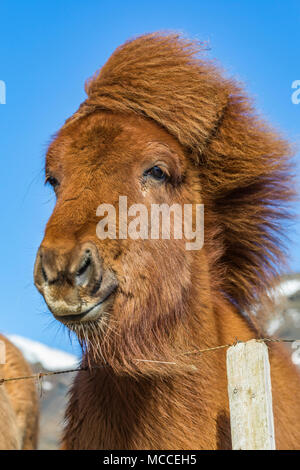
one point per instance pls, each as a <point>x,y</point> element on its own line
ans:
<point>247,182</point>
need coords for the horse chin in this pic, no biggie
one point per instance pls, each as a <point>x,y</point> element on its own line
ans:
<point>91,327</point>
<point>91,334</point>
<point>92,314</point>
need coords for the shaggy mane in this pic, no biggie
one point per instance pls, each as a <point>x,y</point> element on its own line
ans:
<point>243,164</point>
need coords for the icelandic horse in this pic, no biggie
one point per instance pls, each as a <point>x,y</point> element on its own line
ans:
<point>162,125</point>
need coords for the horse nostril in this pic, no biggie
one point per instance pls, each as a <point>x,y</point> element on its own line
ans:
<point>44,273</point>
<point>83,272</point>
<point>88,273</point>
<point>96,286</point>
<point>56,271</point>
<point>84,267</point>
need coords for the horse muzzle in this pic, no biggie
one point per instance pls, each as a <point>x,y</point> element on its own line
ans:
<point>74,283</point>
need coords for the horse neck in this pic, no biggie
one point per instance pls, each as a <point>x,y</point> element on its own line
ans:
<point>133,411</point>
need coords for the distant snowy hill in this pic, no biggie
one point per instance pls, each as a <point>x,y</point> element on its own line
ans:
<point>290,287</point>
<point>38,353</point>
<point>285,322</point>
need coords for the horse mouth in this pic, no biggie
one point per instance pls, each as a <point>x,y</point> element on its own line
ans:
<point>93,313</point>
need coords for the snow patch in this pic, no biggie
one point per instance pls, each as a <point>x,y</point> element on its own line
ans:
<point>47,386</point>
<point>296,353</point>
<point>51,359</point>
<point>288,288</point>
<point>274,325</point>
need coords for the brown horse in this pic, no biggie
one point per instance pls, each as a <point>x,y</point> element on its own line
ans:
<point>18,403</point>
<point>162,125</point>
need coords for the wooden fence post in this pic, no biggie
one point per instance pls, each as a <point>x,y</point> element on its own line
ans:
<point>250,396</point>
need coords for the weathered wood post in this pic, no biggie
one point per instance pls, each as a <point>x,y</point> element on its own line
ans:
<point>250,396</point>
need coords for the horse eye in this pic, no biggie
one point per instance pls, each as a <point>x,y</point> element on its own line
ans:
<point>53,181</point>
<point>156,172</point>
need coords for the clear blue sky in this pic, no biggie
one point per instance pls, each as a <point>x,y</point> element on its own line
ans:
<point>49,48</point>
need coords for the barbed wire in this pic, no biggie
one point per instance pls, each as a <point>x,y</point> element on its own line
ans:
<point>40,375</point>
